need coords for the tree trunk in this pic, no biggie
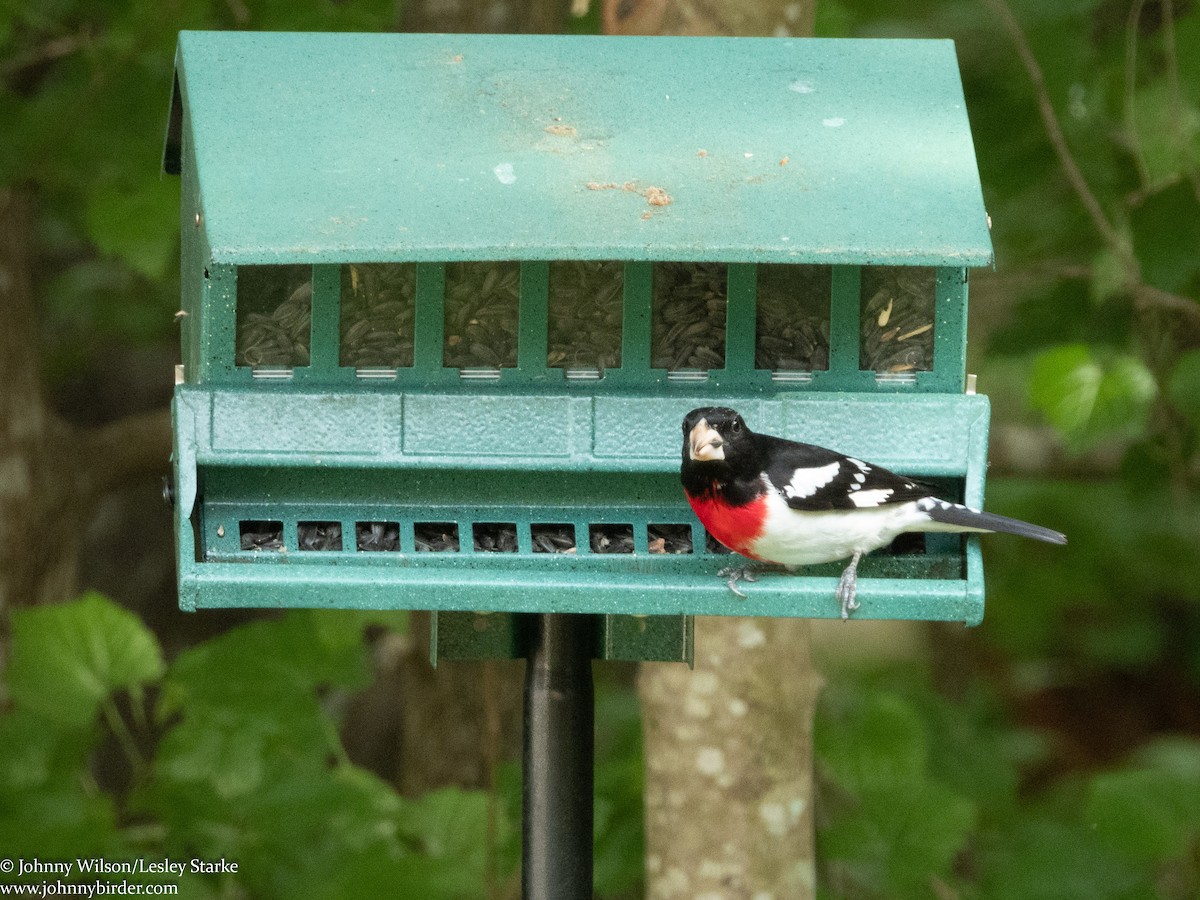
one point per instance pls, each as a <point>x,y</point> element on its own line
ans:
<point>39,529</point>
<point>729,746</point>
<point>498,16</point>
<point>729,764</point>
<point>778,18</point>
<point>51,473</point>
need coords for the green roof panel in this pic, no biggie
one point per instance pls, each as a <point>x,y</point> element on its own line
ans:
<point>356,147</point>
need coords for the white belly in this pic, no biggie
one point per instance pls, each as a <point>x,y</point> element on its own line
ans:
<point>797,538</point>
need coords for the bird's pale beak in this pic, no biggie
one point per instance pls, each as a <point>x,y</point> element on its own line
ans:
<point>704,443</point>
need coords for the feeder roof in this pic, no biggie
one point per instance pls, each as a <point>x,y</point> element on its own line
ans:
<point>391,147</point>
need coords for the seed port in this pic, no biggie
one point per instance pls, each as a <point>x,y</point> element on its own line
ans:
<point>712,545</point>
<point>611,538</point>
<point>261,534</point>
<point>548,538</point>
<point>436,537</point>
<point>319,535</point>
<point>495,537</point>
<point>910,543</point>
<point>377,536</point>
<point>669,539</point>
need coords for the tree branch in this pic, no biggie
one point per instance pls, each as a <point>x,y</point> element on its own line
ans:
<point>1054,132</point>
<point>1131,51</point>
<point>1171,57</point>
<point>115,454</point>
<point>1145,296</point>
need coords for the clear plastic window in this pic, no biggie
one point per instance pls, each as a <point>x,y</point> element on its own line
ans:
<point>378,302</point>
<point>688,316</point>
<point>792,333</point>
<point>481,314</point>
<point>274,316</point>
<point>898,319</point>
<point>586,299</point>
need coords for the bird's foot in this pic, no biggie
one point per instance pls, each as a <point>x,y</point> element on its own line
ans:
<point>734,574</point>
<point>847,587</point>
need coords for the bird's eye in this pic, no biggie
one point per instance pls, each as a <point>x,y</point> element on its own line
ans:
<point>735,426</point>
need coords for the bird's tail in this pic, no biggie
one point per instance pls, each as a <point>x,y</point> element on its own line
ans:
<point>959,516</point>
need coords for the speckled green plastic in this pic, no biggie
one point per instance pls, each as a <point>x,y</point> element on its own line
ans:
<point>333,149</point>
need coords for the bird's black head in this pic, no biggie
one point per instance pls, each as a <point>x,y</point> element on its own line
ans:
<point>716,436</point>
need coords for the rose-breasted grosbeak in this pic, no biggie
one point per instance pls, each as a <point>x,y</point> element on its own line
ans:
<point>780,501</point>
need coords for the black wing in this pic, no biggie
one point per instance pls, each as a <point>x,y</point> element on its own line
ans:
<point>814,478</point>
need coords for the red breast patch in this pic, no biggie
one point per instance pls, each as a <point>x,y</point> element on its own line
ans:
<point>736,527</point>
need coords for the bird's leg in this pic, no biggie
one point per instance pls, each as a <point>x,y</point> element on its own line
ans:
<point>848,585</point>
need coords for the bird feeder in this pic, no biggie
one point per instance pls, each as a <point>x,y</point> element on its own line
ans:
<point>446,300</point>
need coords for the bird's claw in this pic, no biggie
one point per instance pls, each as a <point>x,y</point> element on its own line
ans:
<point>734,574</point>
<point>846,597</point>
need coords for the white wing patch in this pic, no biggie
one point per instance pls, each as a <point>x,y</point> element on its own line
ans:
<point>925,504</point>
<point>865,499</point>
<point>860,477</point>
<point>806,482</point>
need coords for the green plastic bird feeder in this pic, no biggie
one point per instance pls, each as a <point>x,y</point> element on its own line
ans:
<point>448,299</point>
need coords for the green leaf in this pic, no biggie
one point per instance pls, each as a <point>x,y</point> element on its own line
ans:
<point>61,820</point>
<point>67,659</point>
<point>1167,129</point>
<point>1184,386</point>
<point>230,757</point>
<point>1088,398</point>
<point>1166,233</point>
<point>32,755</point>
<point>1110,276</point>
<point>904,833</point>
<point>132,224</point>
<point>1178,756</point>
<point>261,667</point>
<point>1144,814</point>
<point>880,742</point>
<point>1044,860</point>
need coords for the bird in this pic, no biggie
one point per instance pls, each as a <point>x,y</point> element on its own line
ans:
<point>782,502</point>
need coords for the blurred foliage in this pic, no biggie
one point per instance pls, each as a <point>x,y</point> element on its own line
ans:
<point>926,797</point>
<point>1070,768</point>
<point>232,752</point>
<point>84,92</point>
<point>1113,311</point>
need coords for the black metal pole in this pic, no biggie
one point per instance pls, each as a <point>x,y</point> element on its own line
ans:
<point>559,717</point>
